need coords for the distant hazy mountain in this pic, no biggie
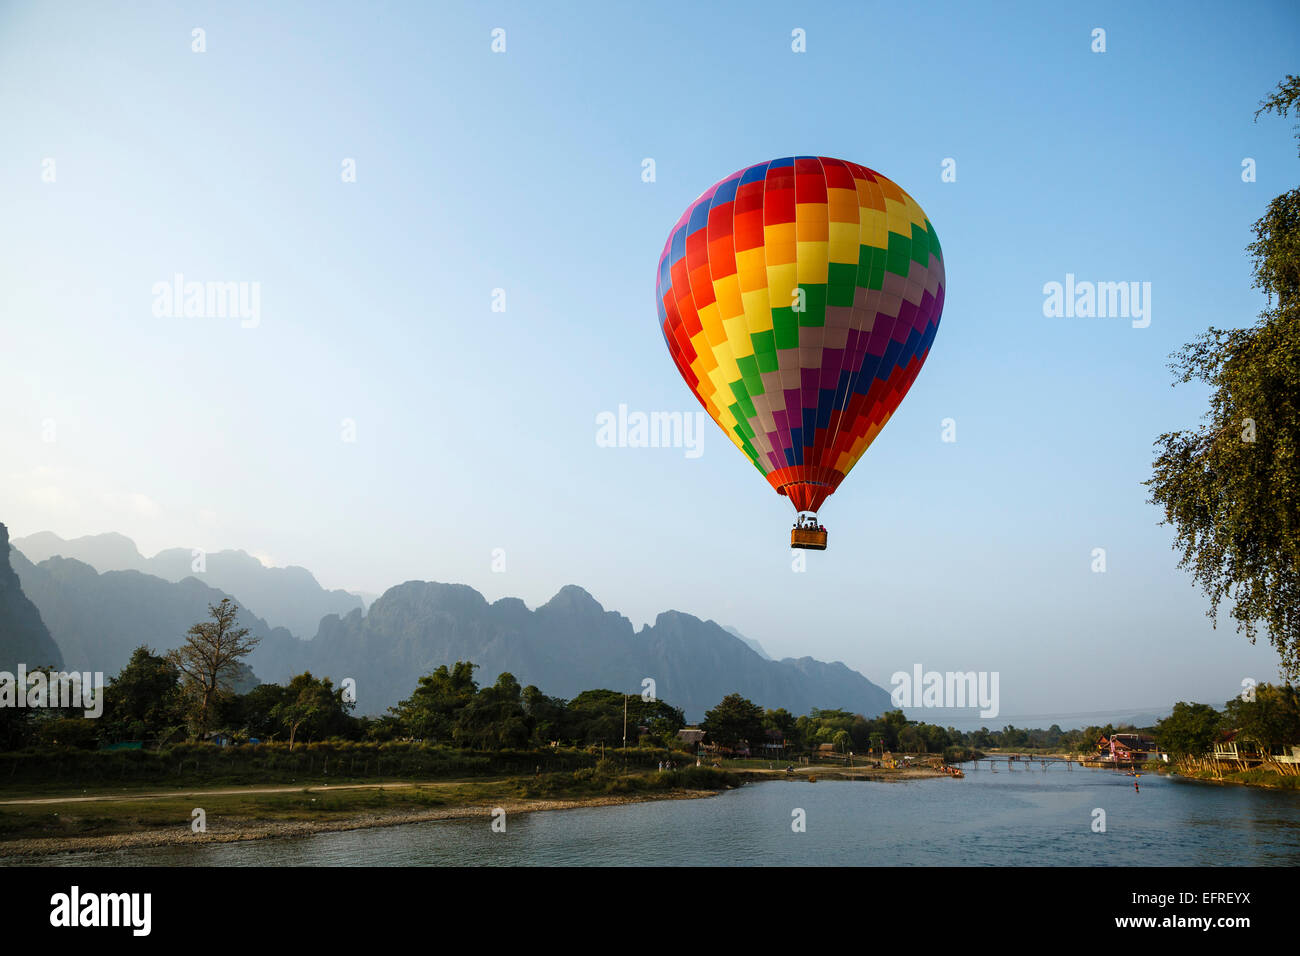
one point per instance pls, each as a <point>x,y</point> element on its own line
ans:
<point>1145,720</point>
<point>104,552</point>
<point>24,637</point>
<point>97,620</point>
<point>367,598</point>
<point>285,597</point>
<point>756,647</point>
<point>567,645</point>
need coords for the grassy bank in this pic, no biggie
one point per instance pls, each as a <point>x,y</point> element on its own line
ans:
<point>69,771</point>
<point>1248,778</point>
<point>260,811</point>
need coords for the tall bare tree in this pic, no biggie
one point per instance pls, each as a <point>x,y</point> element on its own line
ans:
<point>210,656</point>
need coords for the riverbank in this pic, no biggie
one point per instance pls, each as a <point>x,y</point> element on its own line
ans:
<point>37,825</point>
<point>222,829</point>
<point>1266,779</point>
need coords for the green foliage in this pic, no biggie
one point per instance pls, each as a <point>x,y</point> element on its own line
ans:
<point>310,706</point>
<point>597,715</point>
<point>821,727</point>
<point>255,714</point>
<point>1189,731</point>
<point>494,717</point>
<point>1271,719</point>
<point>605,778</point>
<point>546,714</point>
<point>785,724</point>
<point>1231,488</point>
<point>1260,777</point>
<point>887,727</point>
<point>143,698</point>
<point>509,729</point>
<point>432,711</point>
<point>734,720</point>
<point>47,725</point>
<point>1282,100</point>
<point>51,768</point>
<point>75,732</point>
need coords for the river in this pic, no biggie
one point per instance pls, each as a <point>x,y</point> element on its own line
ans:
<point>1012,817</point>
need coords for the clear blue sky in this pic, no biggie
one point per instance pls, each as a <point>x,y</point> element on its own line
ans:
<point>476,429</point>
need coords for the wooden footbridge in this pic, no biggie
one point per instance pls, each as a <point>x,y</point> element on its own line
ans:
<point>1015,763</point>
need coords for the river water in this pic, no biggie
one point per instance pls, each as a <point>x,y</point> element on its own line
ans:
<point>1012,817</point>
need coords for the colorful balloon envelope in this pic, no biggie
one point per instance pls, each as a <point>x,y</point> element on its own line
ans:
<point>799,299</point>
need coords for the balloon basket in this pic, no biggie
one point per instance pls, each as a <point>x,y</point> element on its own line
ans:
<point>808,539</point>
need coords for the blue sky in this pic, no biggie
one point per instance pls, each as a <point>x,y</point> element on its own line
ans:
<point>475,430</point>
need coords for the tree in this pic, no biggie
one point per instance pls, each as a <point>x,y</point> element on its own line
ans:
<point>431,712</point>
<point>1231,488</point>
<point>935,738</point>
<point>1189,730</point>
<point>822,726</point>
<point>1013,737</point>
<point>255,712</point>
<point>1271,719</point>
<point>889,725</point>
<point>381,729</point>
<point>863,732</point>
<point>144,699</point>
<point>1089,743</point>
<point>46,724</point>
<point>784,723</point>
<point>546,715</point>
<point>494,717</point>
<point>209,659</point>
<point>313,706</point>
<point>910,740</point>
<point>596,715</point>
<point>735,719</point>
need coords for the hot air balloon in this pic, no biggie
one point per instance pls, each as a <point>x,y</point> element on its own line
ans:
<point>799,299</point>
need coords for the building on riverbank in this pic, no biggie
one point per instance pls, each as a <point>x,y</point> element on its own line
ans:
<point>1238,748</point>
<point>1125,751</point>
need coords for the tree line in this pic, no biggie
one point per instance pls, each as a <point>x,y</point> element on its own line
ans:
<point>1266,716</point>
<point>203,689</point>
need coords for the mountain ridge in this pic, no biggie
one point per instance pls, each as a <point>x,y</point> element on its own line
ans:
<point>24,636</point>
<point>290,597</point>
<point>569,644</point>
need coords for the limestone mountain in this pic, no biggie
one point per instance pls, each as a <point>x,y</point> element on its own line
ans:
<point>567,645</point>
<point>97,620</point>
<point>24,638</point>
<point>286,597</point>
<point>757,647</point>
